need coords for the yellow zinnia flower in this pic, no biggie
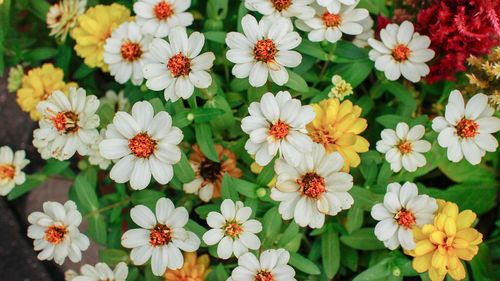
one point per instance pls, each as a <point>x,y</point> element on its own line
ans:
<point>194,269</point>
<point>92,30</point>
<point>441,246</point>
<point>336,127</point>
<point>38,85</point>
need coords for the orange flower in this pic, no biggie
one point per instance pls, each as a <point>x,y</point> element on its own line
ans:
<point>194,269</point>
<point>208,173</point>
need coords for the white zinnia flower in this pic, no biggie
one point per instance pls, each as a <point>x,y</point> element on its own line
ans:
<point>264,50</point>
<point>177,67</point>
<point>232,229</point>
<point>160,237</point>
<point>99,272</point>
<point>403,147</point>
<point>11,165</point>
<point>326,25</point>
<point>273,266</point>
<point>278,123</point>
<point>126,52</point>
<point>361,40</point>
<point>402,209</point>
<point>118,102</point>
<point>95,157</point>
<point>68,124</point>
<point>313,189</point>
<point>401,51</point>
<point>466,130</point>
<point>143,145</point>
<point>334,5</point>
<point>56,232</point>
<point>159,17</point>
<point>282,8</point>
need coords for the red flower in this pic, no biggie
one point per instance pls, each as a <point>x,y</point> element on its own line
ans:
<point>459,29</point>
<point>382,22</point>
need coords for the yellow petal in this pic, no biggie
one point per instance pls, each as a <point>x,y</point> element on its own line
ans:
<point>450,227</point>
<point>457,273</point>
<point>423,247</point>
<point>465,219</point>
<point>470,235</point>
<point>460,243</point>
<point>361,145</point>
<point>422,263</point>
<point>439,221</point>
<point>437,237</point>
<point>428,229</point>
<point>439,260</point>
<point>437,274</point>
<point>467,253</point>
<point>451,210</point>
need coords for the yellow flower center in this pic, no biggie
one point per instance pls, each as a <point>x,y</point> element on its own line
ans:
<point>331,20</point>
<point>65,121</point>
<point>163,10</point>
<point>279,130</point>
<point>55,234</point>
<point>467,128</point>
<point>405,147</point>
<point>179,65</point>
<point>264,276</point>
<point>401,53</point>
<point>7,171</point>
<point>142,145</point>
<point>312,185</point>
<point>406,218</point>
<point>160,235</point>
<point>265,50</point>
<point>281,5</point>
<point>131,51</point>
<point>232,228</point>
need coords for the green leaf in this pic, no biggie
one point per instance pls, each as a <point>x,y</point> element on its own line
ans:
<point>149,276</point>
<point>196,229</point>
<point>481,264</point>
<point>227,189</point>
<point>63,58</point>
<point>205,114</point>
<point>365,198</point>
<point>216,36</point>
<point>55,167</point>
<point>391,120</point>
<point>313,49</point>
<point>86,193</point>
<point>219,273</point>
<point>271,225</point>
<point>245,188</point>
<point>39,8</point>
<point>203,210</point>
<point>478,197</point>
<point>354,218</point>
<point>183,170</point>
<point>296,82</point>
<point>356,72</point>
<point>82,71</point>
<point>147,197</point>
<point>157,105</point>
<point>182,119</point>
<point>106,114</point>
<point>362,239</point>
<point>463,171</point>
<point>330,252</point>
<point>40,54</point>
<point>97,229</point>
<point>32,181</point>
<point>112,256</point>
<point>400,92</point>
<point>224,121</point>
<point>205,141</point>
<point>349,257</point>
<point>303,264</point>
<point>266,174</point>
<point>374,6</point>
<point>133,274</point>
<point>376,272</point>
<point>290,233</point>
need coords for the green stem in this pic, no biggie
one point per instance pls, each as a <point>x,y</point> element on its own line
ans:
<point>323,69</point>
<point>206,94</point>
<point>124,201</point>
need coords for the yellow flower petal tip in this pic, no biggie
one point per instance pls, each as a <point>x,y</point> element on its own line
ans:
<point>194,269</point>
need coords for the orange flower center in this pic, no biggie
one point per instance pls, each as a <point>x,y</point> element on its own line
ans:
<point>7,171</point>
<point>321,136</point>
<point>279,130</point>
<point>265,50</point>
<point>131,51</point>
<point>65,122</point>
<point>142,145</point>
<point>179,65</point>
<point>210,170</point>
<point>264,276</point>
<point>160,235</point>
<point>331,20</point>
<point>405,147</point>
<point>467,128</point>
<point>281,5</point>
<point>55,234</point>
<point>312,184</point>
<point>401,53</point>
<point>406,218</point>
<point>232,229</point>
<point>163,10</point>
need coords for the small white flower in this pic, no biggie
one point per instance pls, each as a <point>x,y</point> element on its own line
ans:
<point>143,145</point>
<point>401,51</point>
<point>264,50</point>
<point>334,5</point>
<point>326,25</point>
<point>313,189</point>
<point>68,125</point>
<point>282,8</point>
<point>361,40</point>
<point>177,67</point>
<point>278,123</point>
<point>11,165</point>
<point>159,17</point>
<point>95,157</point>
<point>402,209</point>
<point>126,52</point>
<point>99,272</point>
<point>56,232</point>
<point>232,229</point>
<point>118,102</point>
<point>403,147</point>
<point>273,266</point>
<point>466,130</point>
<point>160,237</point>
